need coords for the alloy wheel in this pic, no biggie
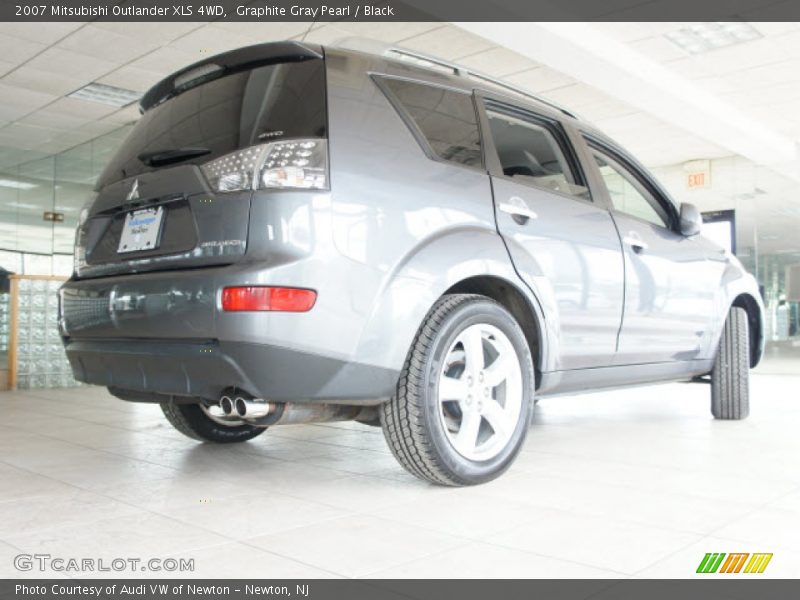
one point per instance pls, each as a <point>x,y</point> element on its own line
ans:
<point>480,392</point>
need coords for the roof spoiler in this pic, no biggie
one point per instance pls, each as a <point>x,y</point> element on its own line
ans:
<point>226,63</point>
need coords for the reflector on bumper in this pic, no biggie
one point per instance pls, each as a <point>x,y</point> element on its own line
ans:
<point>262,298</point>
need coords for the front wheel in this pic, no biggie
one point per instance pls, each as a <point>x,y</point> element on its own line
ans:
<point>463,402</point>
<point>730,394</point>
<point>204,425</point>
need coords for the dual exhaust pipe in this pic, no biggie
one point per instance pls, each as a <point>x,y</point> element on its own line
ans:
<point>256,410</point>
<point>244,407</point>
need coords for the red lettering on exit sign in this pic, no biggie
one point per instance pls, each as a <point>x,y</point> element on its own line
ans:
<point>698,174</point>
<point>697,179</point>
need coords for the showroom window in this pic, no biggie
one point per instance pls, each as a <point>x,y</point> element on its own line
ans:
<point>529,153</point>
<point>626,193</point>
<point>445,118</point>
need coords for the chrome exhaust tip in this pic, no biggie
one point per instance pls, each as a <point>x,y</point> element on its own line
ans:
<point>226,404</point>
<point>251,408</point>
<point>241,406</point>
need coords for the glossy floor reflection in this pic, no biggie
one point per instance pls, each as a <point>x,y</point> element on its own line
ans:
<point>632,483</point>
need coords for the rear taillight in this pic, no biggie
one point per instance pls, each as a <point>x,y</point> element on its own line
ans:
<point>296,164</point>
<point>300,163</point>
<point>262,298</point>
<point>235,171</point>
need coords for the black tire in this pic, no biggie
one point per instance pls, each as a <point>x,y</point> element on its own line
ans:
<point>411,423</point>
<point>730,376</point>
<point>193,422</point>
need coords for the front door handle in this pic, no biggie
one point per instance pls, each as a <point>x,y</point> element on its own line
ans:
<point>517,209</point>
<point>636,243</point>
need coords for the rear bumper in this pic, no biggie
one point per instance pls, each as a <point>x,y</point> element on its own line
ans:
<point>204,368</point>
<point>166,333</point>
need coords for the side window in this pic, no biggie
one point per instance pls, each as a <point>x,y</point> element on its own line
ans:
<point>627,194</point>
<point>530,153</point>
<point>445,117</point>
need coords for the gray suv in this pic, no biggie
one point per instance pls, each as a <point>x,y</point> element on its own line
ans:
<point>293,234</point>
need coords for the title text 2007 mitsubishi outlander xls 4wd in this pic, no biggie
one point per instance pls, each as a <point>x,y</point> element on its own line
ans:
<point>291,234</point>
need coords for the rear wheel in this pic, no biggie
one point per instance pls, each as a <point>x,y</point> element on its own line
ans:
<point>730,377</point>
<point>207,425</point>
<point>463,402</point>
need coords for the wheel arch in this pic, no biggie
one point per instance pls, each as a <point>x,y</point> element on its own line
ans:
<point>512,299</point>
<point>468,260</point>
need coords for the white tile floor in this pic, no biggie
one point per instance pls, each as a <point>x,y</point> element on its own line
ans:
<point>633,483</point>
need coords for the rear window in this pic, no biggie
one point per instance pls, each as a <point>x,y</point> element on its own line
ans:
<point>445,118</point>
<point>250,107</point>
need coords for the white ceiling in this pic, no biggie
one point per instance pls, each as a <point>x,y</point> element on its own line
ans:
<point>40,63</point>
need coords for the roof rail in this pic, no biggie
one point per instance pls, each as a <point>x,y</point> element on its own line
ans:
<point>462,71</point>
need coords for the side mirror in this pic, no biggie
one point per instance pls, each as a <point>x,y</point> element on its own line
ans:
<point>691,219</point>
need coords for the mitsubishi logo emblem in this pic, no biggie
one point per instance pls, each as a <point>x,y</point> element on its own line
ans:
<point>134,193</point>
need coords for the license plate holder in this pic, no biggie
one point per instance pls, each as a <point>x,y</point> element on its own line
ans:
<point>141,230</point>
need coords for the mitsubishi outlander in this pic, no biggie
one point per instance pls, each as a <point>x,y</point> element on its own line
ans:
<point>294,234</point>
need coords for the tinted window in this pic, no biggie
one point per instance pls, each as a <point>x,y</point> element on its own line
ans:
<point>446,118</point>
<point>529,153</point>
<point>225,114</point>
<point>627,194</point>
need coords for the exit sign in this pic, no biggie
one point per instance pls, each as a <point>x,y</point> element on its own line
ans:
<point>697,180</point>
<point>698,174</point>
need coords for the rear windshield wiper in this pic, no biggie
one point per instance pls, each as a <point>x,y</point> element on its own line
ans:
<point>158,158</point>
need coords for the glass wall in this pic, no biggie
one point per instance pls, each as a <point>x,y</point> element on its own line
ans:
<point>32,245</point>
<point>41,361</point>
<point>59,184</point>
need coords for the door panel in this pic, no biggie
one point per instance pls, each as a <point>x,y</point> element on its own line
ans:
<point>669,284</point>
<point>563,245</point>
<point>572,249</point>
<point>669,293</point>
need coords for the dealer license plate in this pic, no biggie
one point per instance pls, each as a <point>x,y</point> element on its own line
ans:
<point>141,230</point>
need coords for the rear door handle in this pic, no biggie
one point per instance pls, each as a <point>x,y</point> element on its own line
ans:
<point>636,243</point>
<point>516,208</point>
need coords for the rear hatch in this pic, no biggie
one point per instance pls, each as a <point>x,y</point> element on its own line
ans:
<point>177,192</point>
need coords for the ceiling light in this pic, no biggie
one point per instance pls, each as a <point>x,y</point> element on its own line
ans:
<point>106,94</point>
<point>788,211</point>
<point>25,205</point>
<point>703,37</point>
<point>749,195</point>
<point>17,185</point>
